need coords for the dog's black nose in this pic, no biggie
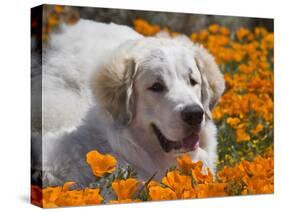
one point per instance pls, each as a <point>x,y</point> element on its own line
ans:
<point>192,114</point>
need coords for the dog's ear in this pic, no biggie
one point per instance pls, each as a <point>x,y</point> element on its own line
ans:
<point>212,79</point>
<point>112,86</point>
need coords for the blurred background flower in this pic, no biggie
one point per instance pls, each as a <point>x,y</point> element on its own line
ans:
<point>184,23</point>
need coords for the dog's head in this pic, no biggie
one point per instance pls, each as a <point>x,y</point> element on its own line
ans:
<point>161,90</point>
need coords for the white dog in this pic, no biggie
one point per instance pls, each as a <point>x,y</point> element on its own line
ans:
<point>107,88</point>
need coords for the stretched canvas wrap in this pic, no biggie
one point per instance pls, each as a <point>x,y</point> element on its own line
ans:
<point>133,106</point>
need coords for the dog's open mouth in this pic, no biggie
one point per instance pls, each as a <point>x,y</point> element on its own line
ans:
<point>187,144</point>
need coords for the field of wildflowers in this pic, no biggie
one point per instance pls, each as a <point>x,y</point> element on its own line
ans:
<point>244,117</point>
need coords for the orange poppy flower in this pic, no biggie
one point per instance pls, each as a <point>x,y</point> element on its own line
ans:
<point>159,193</point>
<point>190,193</point>
<point>92,196</point>
<point>178,183</point>
<point>70,198</point>
<point>214,28</point>
<point>101,164</point>
<point>67,185</point>
<point>200,177</point>
<point>186,165</point>
<point>233,121</point>
<point>242,33</point>
<point>242,135</point>
<point>50,195</point>
<point>257,129</point>
<point>125,189</point>
<point>211,190</point>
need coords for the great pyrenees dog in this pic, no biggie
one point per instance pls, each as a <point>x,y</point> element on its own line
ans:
<point>105,87</point>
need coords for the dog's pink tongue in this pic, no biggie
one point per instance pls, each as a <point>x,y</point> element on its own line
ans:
<point>191,142</point>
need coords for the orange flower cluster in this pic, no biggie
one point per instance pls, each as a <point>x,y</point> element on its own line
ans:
<point>147,29</point>
<point>188,180</point>
<point>247,61</point>
<point>254,177</point>
<point>55,15</point>
<point>251,46</point>
<point>60,196</point>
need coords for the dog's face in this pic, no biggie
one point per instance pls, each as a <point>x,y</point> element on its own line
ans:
<point>164,95</point>
<point>169,101</point>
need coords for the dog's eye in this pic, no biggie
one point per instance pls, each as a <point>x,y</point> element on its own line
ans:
<point>193,82</point>
<point>157,87</point>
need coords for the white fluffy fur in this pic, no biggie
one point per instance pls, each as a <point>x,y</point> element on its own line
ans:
<point>75,121</point>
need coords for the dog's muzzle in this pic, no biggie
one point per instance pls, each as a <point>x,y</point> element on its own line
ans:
<point>187,144</point>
